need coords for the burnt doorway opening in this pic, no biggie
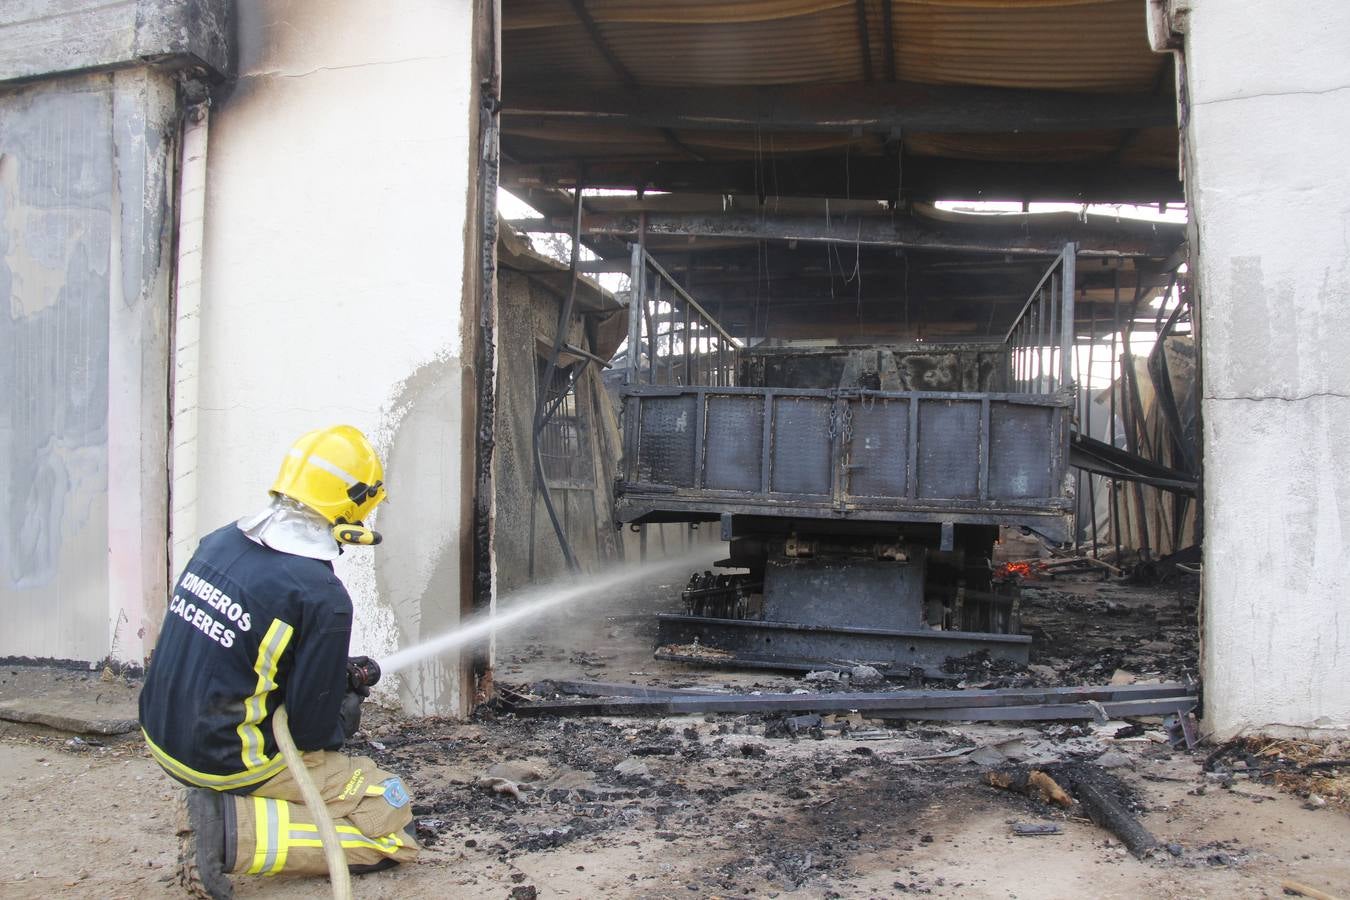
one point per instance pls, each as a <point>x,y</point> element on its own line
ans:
<point>817,183</point>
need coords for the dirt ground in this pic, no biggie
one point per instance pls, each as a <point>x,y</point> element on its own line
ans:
<point>725,806</point>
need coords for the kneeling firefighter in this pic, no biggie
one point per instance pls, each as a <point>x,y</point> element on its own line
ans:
<point>258,619</point>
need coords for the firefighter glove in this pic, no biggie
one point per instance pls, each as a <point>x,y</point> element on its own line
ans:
<point>349,714</point>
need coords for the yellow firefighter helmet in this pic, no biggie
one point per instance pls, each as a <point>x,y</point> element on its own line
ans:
<point>335,472</point>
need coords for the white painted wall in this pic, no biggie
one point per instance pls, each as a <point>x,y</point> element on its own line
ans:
<point>1269,184</point>
<point>333,267</point>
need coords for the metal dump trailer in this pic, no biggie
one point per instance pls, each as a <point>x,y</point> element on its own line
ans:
<point>862,488</point>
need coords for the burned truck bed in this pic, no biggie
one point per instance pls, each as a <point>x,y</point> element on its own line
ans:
<point>862,489</point>
<point>697,453</point>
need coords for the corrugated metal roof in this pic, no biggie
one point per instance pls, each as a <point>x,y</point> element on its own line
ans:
<point>1056,45</point>
<point>1090,46</point>
<point>1059,44</point>
<point>521,14</point>
<point>816,48</point>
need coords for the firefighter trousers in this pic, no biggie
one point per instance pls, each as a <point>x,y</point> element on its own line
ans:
<point>273,831</point>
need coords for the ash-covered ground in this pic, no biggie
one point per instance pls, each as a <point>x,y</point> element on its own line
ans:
<point>851,807</point>
<point>777,812</point>
<point>744,805</point>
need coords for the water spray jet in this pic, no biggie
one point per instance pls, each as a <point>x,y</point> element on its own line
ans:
<point>533,600</point>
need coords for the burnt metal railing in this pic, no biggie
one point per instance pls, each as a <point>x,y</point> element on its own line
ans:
<point>1041,338</point>
<point>672,340</point>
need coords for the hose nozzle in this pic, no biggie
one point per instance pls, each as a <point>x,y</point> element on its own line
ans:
<point>363,673</point>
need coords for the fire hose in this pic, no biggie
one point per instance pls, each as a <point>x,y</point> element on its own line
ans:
<point>362,673</point>
<point>338,875</point>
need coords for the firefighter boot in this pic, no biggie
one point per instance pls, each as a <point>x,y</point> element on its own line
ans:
<point>201,844</point>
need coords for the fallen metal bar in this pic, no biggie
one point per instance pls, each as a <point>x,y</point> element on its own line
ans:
<point>743,660</point>
<point>613,689</point>
<point>1045,712</point>
<point>577,351</point>
<point>896,704</point>
<point>1099,457</point>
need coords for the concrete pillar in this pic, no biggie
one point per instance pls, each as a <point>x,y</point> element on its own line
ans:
<point>1267,127</point>
<point>334,264</point>
<point>145,125</point>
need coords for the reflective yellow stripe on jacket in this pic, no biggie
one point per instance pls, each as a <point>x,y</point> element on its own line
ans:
<point>243,779</point>
<point>255,706</point>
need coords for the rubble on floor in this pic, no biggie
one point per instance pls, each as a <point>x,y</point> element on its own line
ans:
<point>1317,772</point>
<point>797,799</point>
<point>782,783</point>
<point>1093,632</point>
<point>797,778</point>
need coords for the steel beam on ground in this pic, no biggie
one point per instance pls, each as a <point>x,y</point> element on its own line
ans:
<point>890,704</point>
<point>611,689</point>
<point>1046,712</point>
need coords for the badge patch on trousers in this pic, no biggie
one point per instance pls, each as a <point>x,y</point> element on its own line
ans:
<point>395,794</point>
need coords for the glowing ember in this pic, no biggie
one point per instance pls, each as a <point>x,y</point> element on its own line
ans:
<point>1015,570</point>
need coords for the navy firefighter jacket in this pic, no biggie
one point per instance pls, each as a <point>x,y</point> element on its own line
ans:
<point>248,628</point>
